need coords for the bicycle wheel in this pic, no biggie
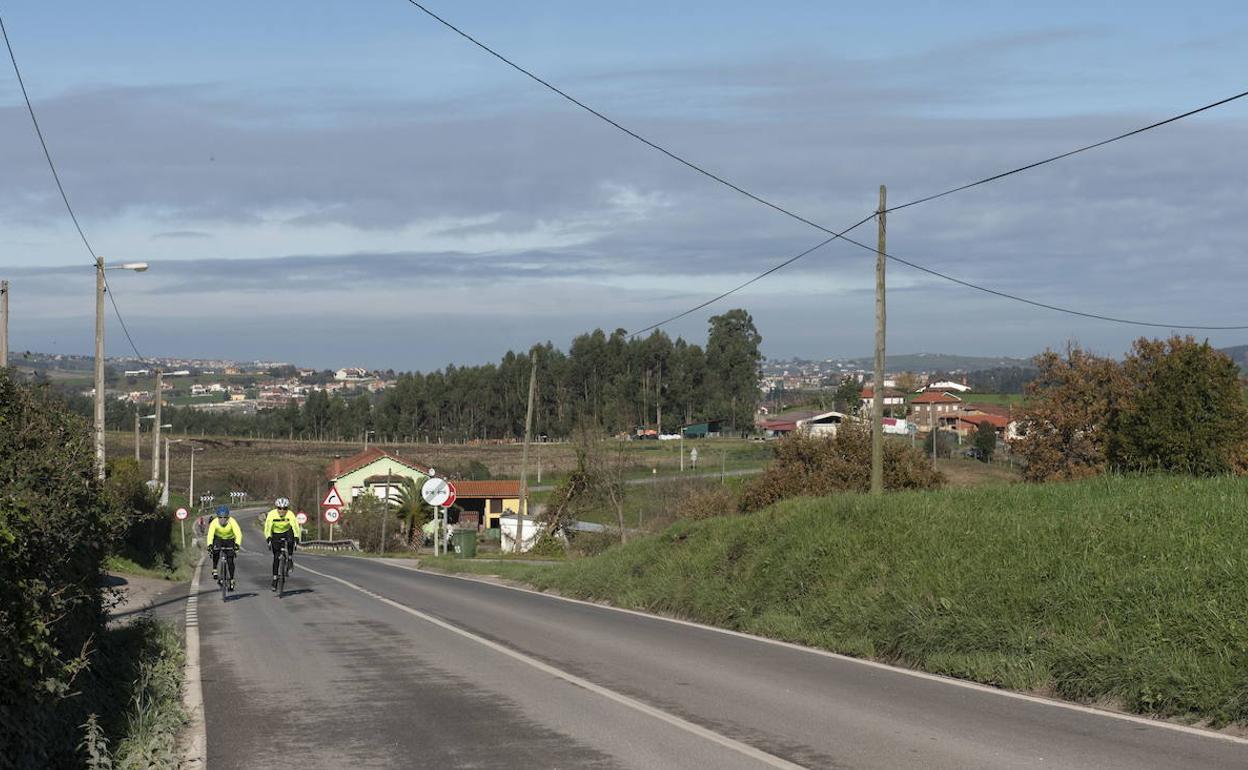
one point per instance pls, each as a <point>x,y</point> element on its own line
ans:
<point>281,574</point>
<point>222,580</point>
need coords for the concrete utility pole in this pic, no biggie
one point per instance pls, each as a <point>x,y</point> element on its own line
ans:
<point>524,455</point>
<point>156,429</point>
<point>164,491</point>
<point>4,324</point>
<point>136,433</point>
<point>877,393</point>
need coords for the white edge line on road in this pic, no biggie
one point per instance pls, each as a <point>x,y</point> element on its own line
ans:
<point>196,753</point>
<point>1052,702</point>
<point>742,748</point>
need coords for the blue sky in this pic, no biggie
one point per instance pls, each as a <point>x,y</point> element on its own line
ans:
<point>339,183</point>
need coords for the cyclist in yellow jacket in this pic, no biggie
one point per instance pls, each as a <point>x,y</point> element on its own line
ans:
<point>224,534</point>
<point>281,530</point>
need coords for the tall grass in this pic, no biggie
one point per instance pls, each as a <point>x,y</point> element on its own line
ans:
<point>1128,591</point>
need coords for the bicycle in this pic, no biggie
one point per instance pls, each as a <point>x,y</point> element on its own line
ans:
<point>226,574</point>
<point>283,569</point>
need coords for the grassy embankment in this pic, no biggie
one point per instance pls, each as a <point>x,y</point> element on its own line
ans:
<point>1118,591</point>
<point>133,691</point>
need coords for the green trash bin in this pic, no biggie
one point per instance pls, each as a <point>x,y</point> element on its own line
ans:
<point>465,543</point>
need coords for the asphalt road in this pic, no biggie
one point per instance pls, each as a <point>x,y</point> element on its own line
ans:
<point>368,665</point>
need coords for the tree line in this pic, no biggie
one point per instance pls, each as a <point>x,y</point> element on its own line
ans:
<point>615,381</point>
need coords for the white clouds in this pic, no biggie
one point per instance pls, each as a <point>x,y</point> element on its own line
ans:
<point>542,214</point>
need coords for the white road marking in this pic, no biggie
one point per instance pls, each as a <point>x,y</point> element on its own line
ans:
<point>1133,718</point>
<point>196,754</point>
<point>742,748</point>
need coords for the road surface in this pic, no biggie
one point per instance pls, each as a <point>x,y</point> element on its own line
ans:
<point>369,665</point>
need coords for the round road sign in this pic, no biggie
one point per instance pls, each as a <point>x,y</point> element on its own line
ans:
<point>332,515</point>
<point>438,491</point>
<point>181,513</point>
<point>301,517</point>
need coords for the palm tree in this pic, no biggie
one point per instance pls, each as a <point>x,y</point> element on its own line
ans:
<point>411,507</point>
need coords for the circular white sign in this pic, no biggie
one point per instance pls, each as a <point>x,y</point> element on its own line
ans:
<point>332,515</point>
<point>436,491</point>
<point>181,513</point>
<point>301,517</point>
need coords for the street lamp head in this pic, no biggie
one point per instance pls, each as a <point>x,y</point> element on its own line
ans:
<point>149,417</point>
<point>138,267</point>
<point>169,425</point>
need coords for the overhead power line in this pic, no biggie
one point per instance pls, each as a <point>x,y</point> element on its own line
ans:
<point>61,188</point>
<point>616,124</point>
<point>1068,153</point>
<point>1036,303</point>
<point>841,234</point>
<point>758,277</point>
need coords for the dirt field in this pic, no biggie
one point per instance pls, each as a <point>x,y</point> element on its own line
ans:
<point>266,468</point>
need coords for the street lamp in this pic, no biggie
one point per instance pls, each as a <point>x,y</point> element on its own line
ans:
<point>137,267</point>
<point>164,492</point>
<point>137,418</point>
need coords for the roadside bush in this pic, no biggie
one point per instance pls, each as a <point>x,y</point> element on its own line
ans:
<point>1186,413</point>
<point>55,527</point>
<point>362,521</point>
<point>706,501</point>
<point>146,530</point>
<point>548,545</point>
<point>591,543</point>
<point>1172,406</point>
<point>806,465</point>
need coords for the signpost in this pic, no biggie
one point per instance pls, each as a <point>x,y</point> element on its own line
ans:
<point>332,515</point>
<point>333,509</point>
<point>181,515</point>
<point>439,493</point>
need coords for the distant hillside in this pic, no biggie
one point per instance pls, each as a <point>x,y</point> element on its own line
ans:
<point>944,362</point>
<point>1238,354</point>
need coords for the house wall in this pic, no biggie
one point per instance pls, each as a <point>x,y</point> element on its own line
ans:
<point>510,506</point>
<point>351,485</point>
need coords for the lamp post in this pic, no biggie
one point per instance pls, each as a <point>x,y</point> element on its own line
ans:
<point>100,288</point>
<point>190,490</point>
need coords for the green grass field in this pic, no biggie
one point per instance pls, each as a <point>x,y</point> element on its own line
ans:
<point>1117,591</point>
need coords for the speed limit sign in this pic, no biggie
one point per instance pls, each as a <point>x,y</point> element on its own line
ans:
<point>332,515</point>
<point>301,517</point>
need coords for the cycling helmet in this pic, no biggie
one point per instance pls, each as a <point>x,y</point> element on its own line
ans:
<point>223,511</point>
<point>282,503</point>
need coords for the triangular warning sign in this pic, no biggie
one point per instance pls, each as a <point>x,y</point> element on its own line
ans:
<point>333,498</point>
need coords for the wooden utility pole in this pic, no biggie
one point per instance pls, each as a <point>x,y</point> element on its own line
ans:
<point>658,399</point>
<point>4,324</point>
<point>156,428</point>
<point>100,288</point>
<point>524,455</point>
<point>877,392</point>
<point>386,515</point>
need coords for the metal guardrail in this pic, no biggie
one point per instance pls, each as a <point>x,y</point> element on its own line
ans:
<point>331,545</point>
